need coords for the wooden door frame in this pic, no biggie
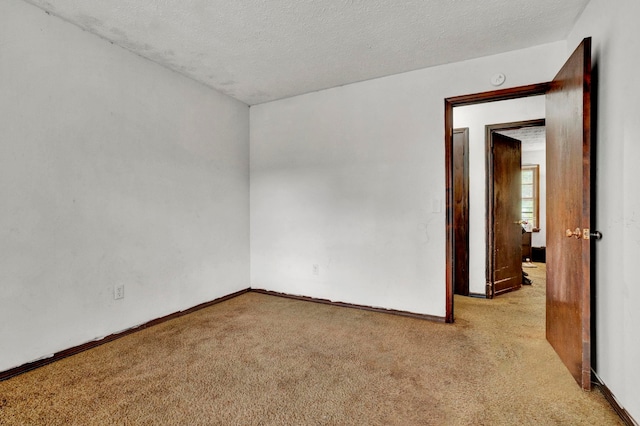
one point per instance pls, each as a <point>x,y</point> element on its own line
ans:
<point>490,129</point>
<point>449,104</point>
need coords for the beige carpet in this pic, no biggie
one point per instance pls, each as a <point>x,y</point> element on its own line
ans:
<point>265,360</point>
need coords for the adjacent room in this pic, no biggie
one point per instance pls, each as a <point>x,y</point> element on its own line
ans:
<point>242,212</point>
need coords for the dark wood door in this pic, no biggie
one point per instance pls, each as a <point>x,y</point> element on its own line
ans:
<point>568,109</point>
<point>461,210</point>
<point>506,196</point>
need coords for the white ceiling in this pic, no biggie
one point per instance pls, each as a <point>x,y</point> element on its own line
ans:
<point>261,50</point>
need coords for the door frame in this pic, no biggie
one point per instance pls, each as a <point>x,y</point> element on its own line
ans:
<point>490,129</point>
<point>449,104</point>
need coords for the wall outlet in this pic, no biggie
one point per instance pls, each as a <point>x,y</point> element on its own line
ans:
<point>316,269</point>
<point>118,292</point>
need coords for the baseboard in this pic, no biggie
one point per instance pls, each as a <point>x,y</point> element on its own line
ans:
<point>608,395</point>
<point>350,305</point>
<point>4,375</point>
<point>478,295</point>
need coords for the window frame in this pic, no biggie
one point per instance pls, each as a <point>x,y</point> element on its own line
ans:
<point>536,194</point>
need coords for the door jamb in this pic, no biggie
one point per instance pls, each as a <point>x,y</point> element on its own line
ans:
<point>449,103</point>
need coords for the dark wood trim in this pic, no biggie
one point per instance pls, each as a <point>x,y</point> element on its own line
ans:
<point>489,222</point>
<point>587,206</point>
<point>611,399</point>
<point>449,104</point>
<point>514,125</point>
<point>351,305</point>
<point>500,95</point>
<point>4,375</point>
<point>449,203</point>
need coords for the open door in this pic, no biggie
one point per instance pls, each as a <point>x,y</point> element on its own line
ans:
<point>568,214</point>
<point>505,214</point>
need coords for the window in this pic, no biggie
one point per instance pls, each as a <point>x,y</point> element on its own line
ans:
<point>530,191</point>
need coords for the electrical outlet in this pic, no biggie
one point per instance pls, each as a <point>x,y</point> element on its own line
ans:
<point>118,292</point>
<point>316,269</point>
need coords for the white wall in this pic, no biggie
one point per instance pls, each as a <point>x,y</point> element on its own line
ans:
<point>113,170</point>
<point>476,117</point>
<point>616,45</point>
<point>352,179</point>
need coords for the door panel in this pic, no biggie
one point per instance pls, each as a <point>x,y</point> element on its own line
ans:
<point>568,208</point>
<point>506,207</point>
<point>461,210</point>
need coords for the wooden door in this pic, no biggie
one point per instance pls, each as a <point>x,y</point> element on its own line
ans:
<point>461,210</point>
<point>568,112</point>
<point>506,245</point>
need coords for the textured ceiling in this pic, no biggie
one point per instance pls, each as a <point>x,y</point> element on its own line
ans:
<point>262,50</point>
<point>532,138</point>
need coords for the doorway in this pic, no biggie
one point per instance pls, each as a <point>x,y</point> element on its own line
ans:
<point>460,101</point>
<point>529,218</point>
<point>569,244</point>
<point>476,118</point>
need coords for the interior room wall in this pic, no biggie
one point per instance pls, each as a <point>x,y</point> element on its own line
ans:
<point>615,36</point>
<point>348,184</point>
<point>113,170</point>
<point>476,118</point>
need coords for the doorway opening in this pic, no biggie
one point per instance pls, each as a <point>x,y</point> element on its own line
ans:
<point>522,226</point>
<point>479,280</point>
<point>569,206</point>
<point>452,226</point>
<point>473,215</point>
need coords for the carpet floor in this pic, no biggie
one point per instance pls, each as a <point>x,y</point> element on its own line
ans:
<point>266,360</point>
